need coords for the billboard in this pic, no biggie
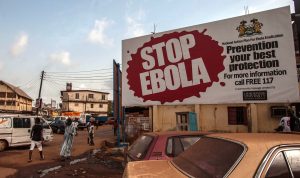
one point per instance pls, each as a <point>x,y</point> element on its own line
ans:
<point>246,59</point>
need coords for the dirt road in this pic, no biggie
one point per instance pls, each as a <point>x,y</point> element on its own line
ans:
<point>13,161</point>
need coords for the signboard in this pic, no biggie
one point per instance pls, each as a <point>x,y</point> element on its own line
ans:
<point>246,59</point>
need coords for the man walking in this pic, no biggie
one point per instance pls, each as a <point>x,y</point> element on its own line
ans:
<point>91,132</point>
<point>36,136</point>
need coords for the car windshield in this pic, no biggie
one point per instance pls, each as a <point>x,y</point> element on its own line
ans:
<point>209,157</point>
<point>139,148</point>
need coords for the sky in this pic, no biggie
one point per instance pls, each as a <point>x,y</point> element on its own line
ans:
<point>77,40</point>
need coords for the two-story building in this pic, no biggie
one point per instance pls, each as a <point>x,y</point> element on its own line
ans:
<point>85,101</point>
<point>13,99</point>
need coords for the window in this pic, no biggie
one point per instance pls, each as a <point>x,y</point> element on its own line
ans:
<point>77,96</point>
<point>182,121</point>
<point>10,103</point>
<point>92,105</point>
<point>176,145</point>
<point>278,168</point>
<point>214,158</point>
<point>5,122</point>
<point>100,105</point>
<point>237,116</point>
<point>293,157</point>
<point>103,97</point>
<point>91,95</point>
<point>21,122</point>
<point>11,95</point>
<point>2,102</point>
<point>188,141</point>
<point>140,147</point>
<point>278,111</point>
<point>2,94</point>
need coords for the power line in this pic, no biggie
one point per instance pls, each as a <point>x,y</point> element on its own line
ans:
<point>83,71</point>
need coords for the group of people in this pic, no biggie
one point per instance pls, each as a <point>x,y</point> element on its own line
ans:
<point>37,139</point>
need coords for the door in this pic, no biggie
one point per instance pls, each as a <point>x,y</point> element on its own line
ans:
<point>193,121</point>
<point>21,130</point>
<point>47,131</point>
<point>182,121</point>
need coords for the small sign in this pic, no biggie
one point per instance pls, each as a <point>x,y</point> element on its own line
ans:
<point>255,95</point>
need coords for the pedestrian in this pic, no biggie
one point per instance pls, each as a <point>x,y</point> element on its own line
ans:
<point>115,127</point>
<point>36,136</point>
<point>75,125</point>
<point>91,132</point>
<point>66,148</point>
<point>284,124</point>
<point>97,124</point>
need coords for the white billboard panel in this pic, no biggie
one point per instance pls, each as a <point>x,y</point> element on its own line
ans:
<point>246,59</point>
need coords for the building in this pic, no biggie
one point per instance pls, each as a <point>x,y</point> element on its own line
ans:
<point>13,99</point>
<point>85,101</point>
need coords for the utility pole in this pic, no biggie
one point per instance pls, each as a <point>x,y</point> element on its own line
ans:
<point>40,90</point>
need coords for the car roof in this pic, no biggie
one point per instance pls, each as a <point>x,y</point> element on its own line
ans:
<point>251,139</point>
<point>257,146</point>
<point>174,133</point>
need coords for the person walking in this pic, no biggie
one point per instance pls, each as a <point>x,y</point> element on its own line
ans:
<point>284,124</point>
<point>66,148</point>
<point>36,136</point>
<point>91,132</point>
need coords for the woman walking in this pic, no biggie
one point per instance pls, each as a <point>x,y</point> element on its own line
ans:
<point>65,152</point>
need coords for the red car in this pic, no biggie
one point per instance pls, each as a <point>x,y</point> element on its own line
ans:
<point>162,145</point>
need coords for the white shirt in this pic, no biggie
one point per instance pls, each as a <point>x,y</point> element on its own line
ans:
<point>285,123</point>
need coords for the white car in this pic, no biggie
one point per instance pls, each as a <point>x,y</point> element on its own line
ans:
<point>15,130</point>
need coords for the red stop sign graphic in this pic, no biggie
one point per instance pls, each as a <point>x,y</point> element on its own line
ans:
<point>175,66</point>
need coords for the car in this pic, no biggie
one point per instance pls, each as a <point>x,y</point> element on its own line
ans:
<point>80,124</point>
<point>110,121</point>
<point>15,130</point>
<point>162,145</point>
<point>49,120</point>
<point>269,155</point>
<point>58,126</point>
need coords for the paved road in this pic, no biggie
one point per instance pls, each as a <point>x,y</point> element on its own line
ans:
<point>14,160</point>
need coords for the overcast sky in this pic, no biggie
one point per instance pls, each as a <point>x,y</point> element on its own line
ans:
<point>60,36</point>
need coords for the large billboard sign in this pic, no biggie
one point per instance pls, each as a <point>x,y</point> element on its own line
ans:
<point>246,59</point>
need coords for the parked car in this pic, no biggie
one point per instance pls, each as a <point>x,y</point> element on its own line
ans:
<point>63,118</point>
<point>80,124</point>
<point>162,145</point>
<point>258,155</point>
<point>15,130</point>
<point>58,126</point>
<point>49,120</point>
<point>110,121</point>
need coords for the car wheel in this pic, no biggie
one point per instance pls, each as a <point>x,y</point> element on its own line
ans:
<point>3,145</point>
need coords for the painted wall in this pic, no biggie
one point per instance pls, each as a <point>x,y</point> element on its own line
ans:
<point>215,117</point>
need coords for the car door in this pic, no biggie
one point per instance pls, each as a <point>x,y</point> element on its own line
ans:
<point>47,131</point>
<point>21,130</point>
<point>284,162</point>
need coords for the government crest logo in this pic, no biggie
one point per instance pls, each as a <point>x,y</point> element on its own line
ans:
<point>246,30</point>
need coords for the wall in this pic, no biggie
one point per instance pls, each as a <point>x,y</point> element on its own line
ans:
<point>166,116</point>
<point>215,117</point>
<point>84,103</point>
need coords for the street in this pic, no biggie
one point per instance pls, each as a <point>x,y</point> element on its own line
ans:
<point>13,162</point>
